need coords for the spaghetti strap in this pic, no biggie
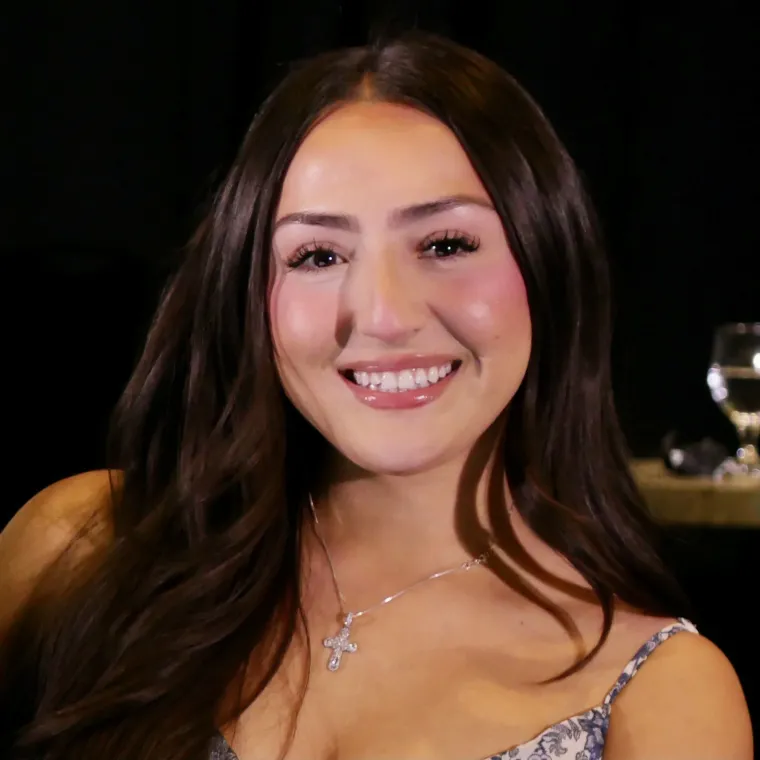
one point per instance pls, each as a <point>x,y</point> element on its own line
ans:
<point>646,649</point>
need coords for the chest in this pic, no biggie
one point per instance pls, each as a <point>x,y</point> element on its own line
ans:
<point>430,688</point>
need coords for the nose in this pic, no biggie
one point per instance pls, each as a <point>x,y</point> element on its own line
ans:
<point>386,301</point>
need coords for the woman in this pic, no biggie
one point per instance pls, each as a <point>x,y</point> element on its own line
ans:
<point>371,500</point>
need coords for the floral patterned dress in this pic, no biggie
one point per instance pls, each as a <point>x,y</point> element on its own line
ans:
<point>580,737</point>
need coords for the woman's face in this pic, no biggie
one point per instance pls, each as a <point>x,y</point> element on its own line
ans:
<point>400,319</point>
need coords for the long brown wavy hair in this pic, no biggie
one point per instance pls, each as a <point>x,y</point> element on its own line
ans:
<point>200,584</point>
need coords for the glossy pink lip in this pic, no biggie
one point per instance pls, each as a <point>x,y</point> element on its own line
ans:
<point>397,363</point>
<point>402,399</point>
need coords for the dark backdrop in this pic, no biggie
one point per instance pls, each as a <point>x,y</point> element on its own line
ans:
<point>119,117</point>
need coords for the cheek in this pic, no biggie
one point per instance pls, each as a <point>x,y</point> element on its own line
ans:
<point>491,308</point>
<point>303,323</point>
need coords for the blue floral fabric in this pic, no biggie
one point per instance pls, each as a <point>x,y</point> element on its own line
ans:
<point>580,737</point>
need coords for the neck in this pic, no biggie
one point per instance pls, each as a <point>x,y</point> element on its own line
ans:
<point>436,517</point>
<point>405,527</point>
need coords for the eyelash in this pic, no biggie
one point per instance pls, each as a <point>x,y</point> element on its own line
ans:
<point>465,243</point>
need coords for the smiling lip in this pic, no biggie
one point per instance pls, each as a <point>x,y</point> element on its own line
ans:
<point>398,363</point>
<point>410,399</point>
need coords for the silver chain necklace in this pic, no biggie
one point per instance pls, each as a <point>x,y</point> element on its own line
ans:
<point>340,644</point>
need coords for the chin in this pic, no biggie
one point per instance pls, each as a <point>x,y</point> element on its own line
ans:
<point>389,458</point>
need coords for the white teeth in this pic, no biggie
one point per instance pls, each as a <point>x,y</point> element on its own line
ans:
<point>389,383</point>
<point>420,378</point>
<point>406,380</point>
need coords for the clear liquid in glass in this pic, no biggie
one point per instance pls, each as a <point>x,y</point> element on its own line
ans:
<point>737,391</point>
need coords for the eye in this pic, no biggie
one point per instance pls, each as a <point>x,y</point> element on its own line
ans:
<point>448,245</point>
<point>314,256</point>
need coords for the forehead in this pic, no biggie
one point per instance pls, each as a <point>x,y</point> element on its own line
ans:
<point>378,153</point>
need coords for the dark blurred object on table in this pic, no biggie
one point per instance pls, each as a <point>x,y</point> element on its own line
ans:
<point>702,457</point>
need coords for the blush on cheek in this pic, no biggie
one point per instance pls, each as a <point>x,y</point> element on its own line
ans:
<point>303,321</point>
<point>492,299</point>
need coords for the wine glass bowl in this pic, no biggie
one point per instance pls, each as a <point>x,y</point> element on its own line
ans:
<point>734,383</point>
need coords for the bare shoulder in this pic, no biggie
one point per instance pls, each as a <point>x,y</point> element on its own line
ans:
<point>46,526</point>
<point>57,512</point>
<point>685,701</point>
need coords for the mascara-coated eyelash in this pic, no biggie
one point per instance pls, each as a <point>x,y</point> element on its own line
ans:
<point>310,251</point>
<point>464,243</point>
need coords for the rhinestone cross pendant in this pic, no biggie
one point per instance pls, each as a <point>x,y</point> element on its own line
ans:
<point>340,644</point>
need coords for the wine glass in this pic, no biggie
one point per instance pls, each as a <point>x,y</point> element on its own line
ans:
<point>734,382</point>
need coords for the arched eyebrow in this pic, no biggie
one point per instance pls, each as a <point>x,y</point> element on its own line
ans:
<point>397,218</point>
